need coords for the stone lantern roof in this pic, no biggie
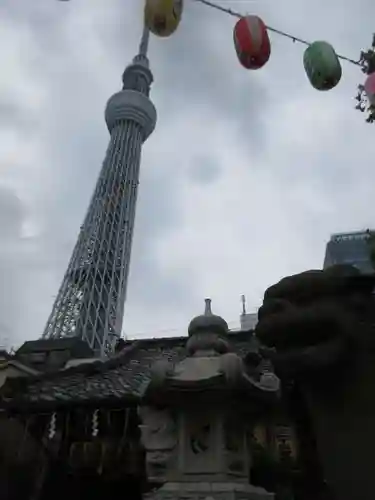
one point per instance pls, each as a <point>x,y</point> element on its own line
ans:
<point>211,368</point>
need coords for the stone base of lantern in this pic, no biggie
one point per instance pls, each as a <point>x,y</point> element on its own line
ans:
<point>209,491</point>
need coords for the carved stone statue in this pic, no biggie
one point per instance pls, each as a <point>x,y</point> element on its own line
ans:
<point>319,330</point>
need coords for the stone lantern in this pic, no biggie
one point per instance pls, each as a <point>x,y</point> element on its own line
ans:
<point>197,416</point>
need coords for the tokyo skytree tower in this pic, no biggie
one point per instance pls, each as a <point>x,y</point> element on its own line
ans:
<point>91,299</point>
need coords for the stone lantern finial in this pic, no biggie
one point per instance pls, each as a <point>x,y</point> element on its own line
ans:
<point>207,310</point>
<point>207,332</point>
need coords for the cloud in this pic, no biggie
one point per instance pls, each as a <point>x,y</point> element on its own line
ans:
<point>204,171</point>
<point>242,182</point>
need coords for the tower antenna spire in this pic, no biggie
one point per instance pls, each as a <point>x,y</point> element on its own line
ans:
<point>145,38</point>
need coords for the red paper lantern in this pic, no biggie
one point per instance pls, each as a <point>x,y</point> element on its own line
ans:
<point>252,42</point>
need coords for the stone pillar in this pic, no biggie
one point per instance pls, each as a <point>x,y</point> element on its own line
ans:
<point>198,452</point>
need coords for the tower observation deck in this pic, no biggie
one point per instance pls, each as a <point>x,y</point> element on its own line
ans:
<point>91,299</point>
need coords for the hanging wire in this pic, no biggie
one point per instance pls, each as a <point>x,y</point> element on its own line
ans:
<point>294,39</point>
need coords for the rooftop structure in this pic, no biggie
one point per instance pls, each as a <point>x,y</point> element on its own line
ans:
<point>350,248</point>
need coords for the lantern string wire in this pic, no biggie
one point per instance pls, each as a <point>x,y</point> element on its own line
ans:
<point>294,39</point>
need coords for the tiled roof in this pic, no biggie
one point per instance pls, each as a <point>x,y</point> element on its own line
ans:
<point>120,378</point>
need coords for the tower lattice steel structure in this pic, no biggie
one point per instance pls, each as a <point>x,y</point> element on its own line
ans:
<point>91,299</point>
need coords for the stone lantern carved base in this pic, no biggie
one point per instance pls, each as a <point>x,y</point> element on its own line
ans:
<point>209,491</point>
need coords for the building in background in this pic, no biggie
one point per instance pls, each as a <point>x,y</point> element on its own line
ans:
<point>350,248</point>
<point>91,299</point>
<point>248,321</point>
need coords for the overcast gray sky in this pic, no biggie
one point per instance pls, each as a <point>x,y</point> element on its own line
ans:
<point>242,182</point>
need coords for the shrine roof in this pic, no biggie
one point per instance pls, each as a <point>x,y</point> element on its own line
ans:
<point>120,379</point>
